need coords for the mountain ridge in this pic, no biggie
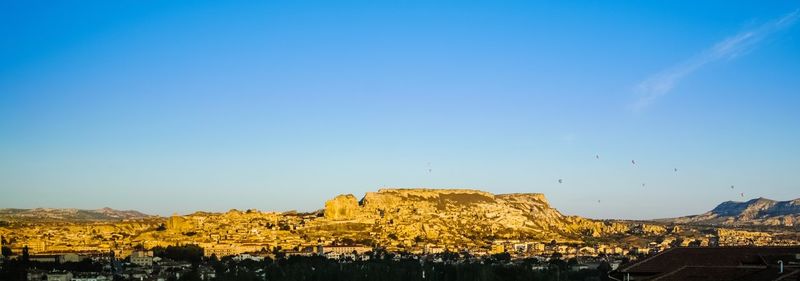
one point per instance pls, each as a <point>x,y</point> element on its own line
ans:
<point>400,219</point>
<point>69,214</point>
<point>754,212</point>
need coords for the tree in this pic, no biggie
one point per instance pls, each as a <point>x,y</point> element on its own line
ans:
<point>278,252</point>
<point>190,276</point>
<point>449,256</point>
<point>502,257</point>
<point>189,253</point>
<point>25,257</point>
<point>7,251</point>
<point>604,268</point>
<point>572,262</point>
<point>530,261</point>
<point>557,262</point>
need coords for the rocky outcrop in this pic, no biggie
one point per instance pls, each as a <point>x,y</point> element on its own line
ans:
<point>342,207</point>
<point>179,224</point>
<point>462,215</point>
<point>647,229</point>
<point>759,211</point>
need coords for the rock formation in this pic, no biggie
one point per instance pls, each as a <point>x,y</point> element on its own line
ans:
<point>462,215</point>
<point>759,211</point>
<point>342,207</point>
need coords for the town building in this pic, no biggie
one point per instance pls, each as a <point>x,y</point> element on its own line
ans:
<point>59,276</point>
<point>220,250</point>
<point>520,247</point>
<point>36,246</point>
<point>431,249</point>
<point>90,276</point>
<point>716,263</point>
<point>245,256</point>
<point>70,257</point>
<point>345,249</point>
<point>142,258</point>
<point>497,248</point>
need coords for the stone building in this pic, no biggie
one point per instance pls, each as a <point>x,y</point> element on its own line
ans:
<point>142,258</point>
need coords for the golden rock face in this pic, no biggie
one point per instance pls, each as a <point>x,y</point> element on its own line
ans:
<point>399,219</point>
<point>342,207</point>
<point>460,216</point>
<point>178,224</point>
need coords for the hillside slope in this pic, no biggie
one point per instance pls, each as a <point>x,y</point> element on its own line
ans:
<point>71,215</point>
<point>755,212</point>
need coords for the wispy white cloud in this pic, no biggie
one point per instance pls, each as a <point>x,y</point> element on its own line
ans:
<point>660,84</point>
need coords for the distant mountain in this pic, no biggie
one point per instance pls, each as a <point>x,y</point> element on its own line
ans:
<point>51,214</point>
<point>759,211</point>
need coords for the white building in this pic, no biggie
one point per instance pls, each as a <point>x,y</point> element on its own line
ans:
<point>90,277</point>
<point>520,247</point>
<point>431,249</point>
<point>241,257</point>
<point>345,249</point>
<point>70,257</point>
<point>59,276</point>
<point>142,258</point>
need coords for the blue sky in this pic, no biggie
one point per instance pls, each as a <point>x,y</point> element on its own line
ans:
<point>179,106</point>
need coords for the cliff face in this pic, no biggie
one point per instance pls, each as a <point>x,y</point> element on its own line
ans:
<point>462,215</point>
<point>760,211</point>
<point>342,207</point>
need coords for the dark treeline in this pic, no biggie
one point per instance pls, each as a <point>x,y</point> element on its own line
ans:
<point>189,253</point>
<point>317,268</point>
<point>17,269</point>
<point>321,269</point>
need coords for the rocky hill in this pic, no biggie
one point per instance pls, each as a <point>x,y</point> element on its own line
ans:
<point>396,219</point>
<point>462,215</point>
<point>70,215</point>
<point>756,212</point>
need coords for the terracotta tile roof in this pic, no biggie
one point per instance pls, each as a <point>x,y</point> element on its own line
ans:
<point>675,258</point>
<point>727,273</point>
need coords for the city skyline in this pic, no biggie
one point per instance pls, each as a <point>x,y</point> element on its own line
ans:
<point>630,111</point>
